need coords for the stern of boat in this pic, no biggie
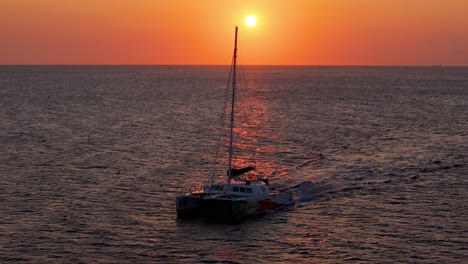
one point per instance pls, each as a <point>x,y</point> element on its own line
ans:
<point>189,206</point>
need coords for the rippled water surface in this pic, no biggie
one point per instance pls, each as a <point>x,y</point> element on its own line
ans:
<point>92,159</point>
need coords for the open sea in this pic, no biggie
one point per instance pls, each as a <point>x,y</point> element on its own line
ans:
<point>92,158</point>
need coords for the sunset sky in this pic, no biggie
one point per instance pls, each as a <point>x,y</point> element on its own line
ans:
<point>297,32</point>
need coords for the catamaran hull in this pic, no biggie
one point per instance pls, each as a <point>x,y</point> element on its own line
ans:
<point>189,206</point>
<point>222,209</point>
<point>226,209</point>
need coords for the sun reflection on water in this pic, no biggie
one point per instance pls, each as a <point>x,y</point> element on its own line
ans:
<point>254,137</point>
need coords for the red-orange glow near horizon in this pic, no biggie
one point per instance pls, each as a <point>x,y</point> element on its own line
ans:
<point>339,32</point>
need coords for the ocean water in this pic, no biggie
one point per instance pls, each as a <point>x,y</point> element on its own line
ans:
<point>92,158</point>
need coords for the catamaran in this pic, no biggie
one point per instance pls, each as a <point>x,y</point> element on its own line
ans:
<point>238,196</point>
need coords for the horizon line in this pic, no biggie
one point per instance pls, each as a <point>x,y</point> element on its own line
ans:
<point>263,65</point>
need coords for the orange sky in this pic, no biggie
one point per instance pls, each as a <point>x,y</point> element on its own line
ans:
<point>312,32</point>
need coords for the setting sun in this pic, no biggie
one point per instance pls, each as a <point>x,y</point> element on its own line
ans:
<point>251,21</point>
<point>341,32</point>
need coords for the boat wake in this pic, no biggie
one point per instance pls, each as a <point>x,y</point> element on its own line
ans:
<point>308,191</point>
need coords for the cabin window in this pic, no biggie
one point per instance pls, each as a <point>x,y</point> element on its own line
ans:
<point>242,189</point>
<point>219,187</point>
<point>249,190</point>
<point>235,189</point>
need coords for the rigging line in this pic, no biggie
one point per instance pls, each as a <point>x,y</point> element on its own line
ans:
<point>222,124</point>
<point>241,83</point>
<point>243,97</point>
<point>246,110</point>
<point>189,104</point>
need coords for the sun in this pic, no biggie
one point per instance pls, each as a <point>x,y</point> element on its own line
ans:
<point>251,21</point>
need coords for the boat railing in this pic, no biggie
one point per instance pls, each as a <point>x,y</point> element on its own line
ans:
<point>194,188</point>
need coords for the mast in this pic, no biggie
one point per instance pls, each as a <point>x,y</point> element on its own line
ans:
<point>232,108</point>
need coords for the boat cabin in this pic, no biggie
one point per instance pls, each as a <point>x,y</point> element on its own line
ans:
<point>257,189</point>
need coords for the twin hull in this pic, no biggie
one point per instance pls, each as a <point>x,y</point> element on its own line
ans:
<point>189,206</point>
<point>221,208</point>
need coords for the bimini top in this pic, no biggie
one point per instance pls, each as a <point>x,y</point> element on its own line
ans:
<point>238,172</point>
